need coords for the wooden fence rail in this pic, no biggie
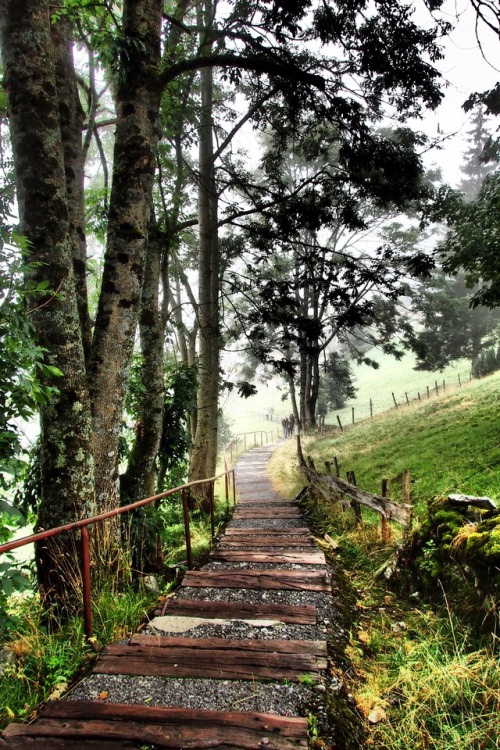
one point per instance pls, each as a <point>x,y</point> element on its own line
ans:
<point>332,486</point>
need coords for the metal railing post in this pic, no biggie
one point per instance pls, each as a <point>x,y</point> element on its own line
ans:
<point>212,508</point>
<point>86,583</point>
<point>187,530</point>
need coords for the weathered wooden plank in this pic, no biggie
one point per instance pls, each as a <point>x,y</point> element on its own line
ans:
<point>298,580</point>
<point>399,512</point>
<point>317,648</point>
<point>300,615</point>
<point>187,737</point>
<point>276,558</point>
<point>266,541</point>
<point>290,726</point>
<point>60,743</point>
<point>216,665</point>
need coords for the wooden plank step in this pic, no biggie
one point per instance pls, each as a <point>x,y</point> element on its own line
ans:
<point>216,663</point>
<point>286,580</point>
<point>276,558</point>
<point>126,726</point>
<point>266,541</point>
<point>144,640</point>
<point>299,615</point>
<point>251,530</point>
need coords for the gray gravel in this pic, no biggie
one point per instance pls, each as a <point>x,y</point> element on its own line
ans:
<point>267,523</point>
<point>220,695</point>
<point>224,565</point>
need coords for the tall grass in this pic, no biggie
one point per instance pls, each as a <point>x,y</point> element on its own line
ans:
<point>42,663</point>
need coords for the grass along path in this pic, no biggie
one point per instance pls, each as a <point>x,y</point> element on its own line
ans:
<point>420,677</point>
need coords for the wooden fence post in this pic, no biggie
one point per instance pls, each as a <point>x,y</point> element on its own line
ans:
<point>337,469</point>
<point>340,423</point>
<point>371,408</point>
<point>459,381</point>
<point>428,392</point>
<point>394,399</point>
<point>406,486</point>
<point>328,467</point>
<point>353,414</point>
<point>351,478</point>
<point>385,529</point>
<point>407,399</point>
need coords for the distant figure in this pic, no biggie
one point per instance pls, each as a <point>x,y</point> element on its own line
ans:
<point>286,427</point>
<point>291,422</point>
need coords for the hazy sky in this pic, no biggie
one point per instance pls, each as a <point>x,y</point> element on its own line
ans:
<point>466,70</point>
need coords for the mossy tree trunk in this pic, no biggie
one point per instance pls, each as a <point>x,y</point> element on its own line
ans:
<point>35,52</point>
<point>204,452</point>
<point>137,106</point>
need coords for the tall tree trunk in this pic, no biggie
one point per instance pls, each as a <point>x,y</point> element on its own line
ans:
<point>71,117</point>
<point>137,106</point>
<point>35,104</point>
<point>204,453</point>
<point>139,480</point>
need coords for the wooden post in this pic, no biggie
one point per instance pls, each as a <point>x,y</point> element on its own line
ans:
<point>212,509</point>
<point>340,423</point>
<point>351,478</point>
<point>385,529</point>
<point>406,486</point>
<point>437,387</point>
<point>337,469</point>
<point>328,467</point>
<point>371,408</point>
<point>444,384</point>
<point>407,399</point>
<point>394,399</point>
<point>352,414</point>
<point>418,394</point>
<point>459,381</point>
<point>428,392</point>
<point>187,530</point>
<point>86,584</point>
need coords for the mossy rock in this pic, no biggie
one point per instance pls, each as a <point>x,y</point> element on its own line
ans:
<point>454,548</point>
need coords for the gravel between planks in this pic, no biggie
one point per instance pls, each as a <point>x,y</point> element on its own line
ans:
<point>217,695</point>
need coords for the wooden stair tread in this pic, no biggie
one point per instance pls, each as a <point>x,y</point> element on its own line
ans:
<point>109,725</point>
<point>299,615</point>
<point>286,580</point>
<point>277,558</point>
<point>316,648</point>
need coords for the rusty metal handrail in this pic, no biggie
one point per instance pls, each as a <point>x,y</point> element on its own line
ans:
<point>83,523</point>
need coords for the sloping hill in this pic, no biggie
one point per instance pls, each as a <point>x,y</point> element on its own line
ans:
<point>450,443</point>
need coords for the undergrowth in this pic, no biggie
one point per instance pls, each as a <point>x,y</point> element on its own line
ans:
<point>39,663</point>
<point>420,675</point>
<point>43,662</point>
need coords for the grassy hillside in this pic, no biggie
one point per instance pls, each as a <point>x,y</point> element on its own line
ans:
<point>421,676</point>
<point>392,376</point>
<point>450,443</point>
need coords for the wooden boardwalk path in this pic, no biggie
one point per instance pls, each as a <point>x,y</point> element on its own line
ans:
<point>266,553</point>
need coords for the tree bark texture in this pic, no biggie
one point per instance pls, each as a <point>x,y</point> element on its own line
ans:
<point>204,453</point>
<point>140,478</point>
<point>35,105</point>
<point>137,107</point>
